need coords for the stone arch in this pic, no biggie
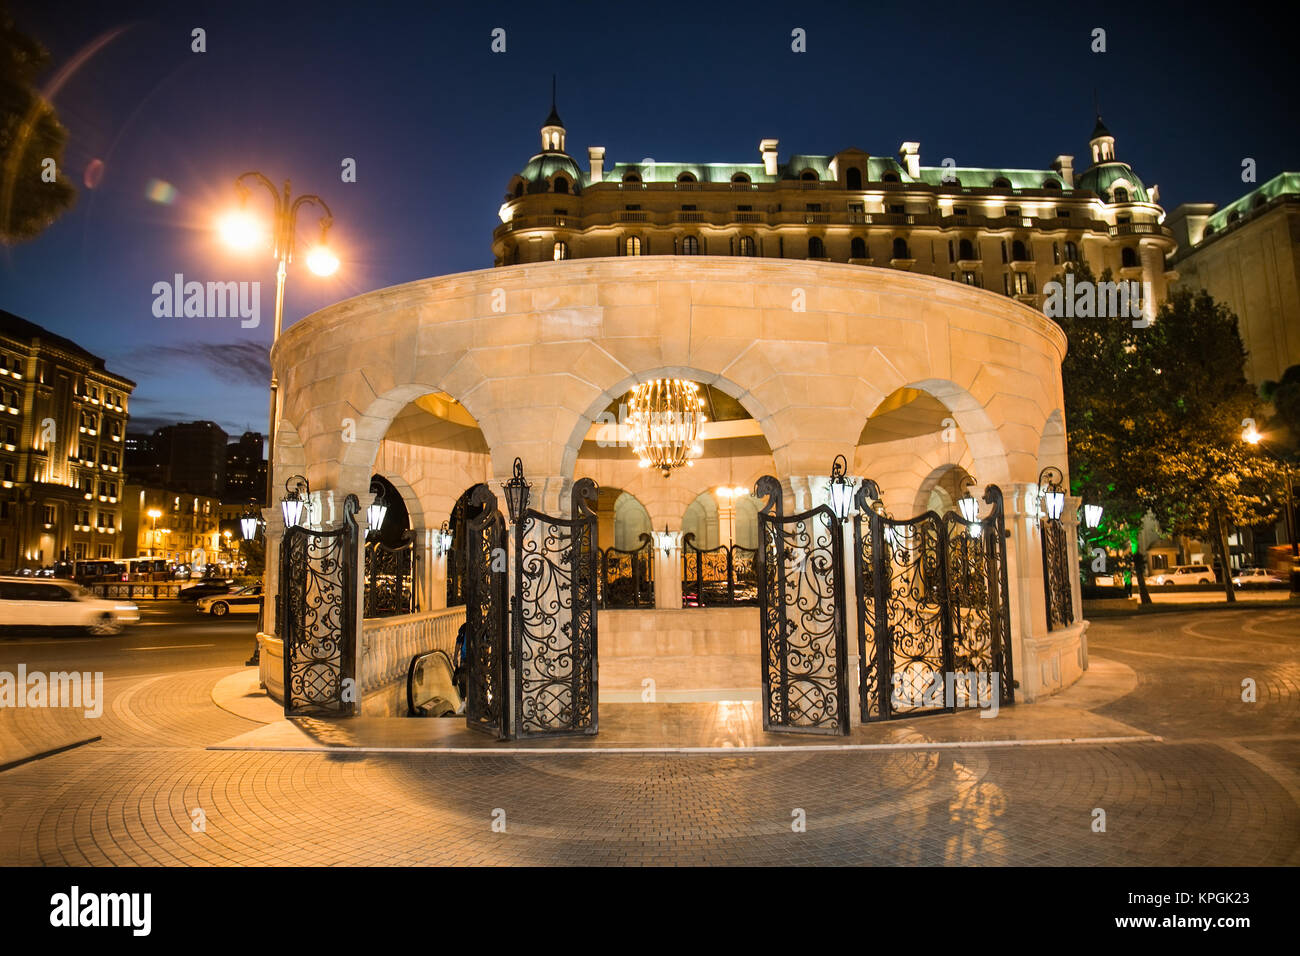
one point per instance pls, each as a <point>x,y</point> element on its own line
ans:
<point>1052,449</point>
<point>941,489</point>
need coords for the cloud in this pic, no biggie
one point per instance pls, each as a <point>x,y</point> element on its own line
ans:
<point>238,363</point>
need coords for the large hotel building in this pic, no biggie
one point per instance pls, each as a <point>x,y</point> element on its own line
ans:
<point>1006,230</point>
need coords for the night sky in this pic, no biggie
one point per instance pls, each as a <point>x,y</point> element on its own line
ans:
<point>438,123</point>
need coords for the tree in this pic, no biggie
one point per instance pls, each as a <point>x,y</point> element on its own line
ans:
<point>1204,478</point>
<point>1284,395</point>
<point>32,195</point>
<point>1107,463</point>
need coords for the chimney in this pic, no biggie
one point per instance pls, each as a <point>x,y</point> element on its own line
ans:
<point>767,147</point>
<point>909,154</point>
<point>596,157</point>
<point>1065,166</point>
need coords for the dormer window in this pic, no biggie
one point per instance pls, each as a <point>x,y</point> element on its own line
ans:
<point>889,178</point>
<point>519,190</point>
<point>808,176</point>
<point>853,178</point>
<point>686,178</point>
<point>1121,194</point>
<point>561,184</point>
<point>1002,183</point>
<point>631,178</point>
<point>740,178</point>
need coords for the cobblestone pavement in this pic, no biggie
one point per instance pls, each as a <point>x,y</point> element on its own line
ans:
<point>1220,788</point>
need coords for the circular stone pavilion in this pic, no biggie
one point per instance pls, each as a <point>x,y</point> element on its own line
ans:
<point>437,386</point>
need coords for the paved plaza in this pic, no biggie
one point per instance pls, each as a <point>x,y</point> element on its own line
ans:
<point>1188,774</point>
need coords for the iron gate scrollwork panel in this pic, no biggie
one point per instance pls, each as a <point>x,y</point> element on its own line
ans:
<point>554,631</point>
<point>725,576</point>
<point>934,625</point>
<point>318,591</point>
<point>487,696</point>
<point>1057,578</point>
<point>800,569</point>
<point>627,577</point>
<point>390,580</point>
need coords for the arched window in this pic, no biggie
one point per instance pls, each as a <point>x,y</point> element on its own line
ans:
<point>858,248</point>
<point>1234,216</point>
<point>1018,253</point>
<point>808,175</point>
<point>691,246</point>
<point>1050,183</point>
<point>746,246</point>
<point>686,178</point>
<point>966,250</point>
<point>1209,231</point>
<point>889,178</point>
<point>740,178</point>
<point>561,184</point>
<point>1128,257</point>
<point>632,246</point>
<point>631,177</point>
<point>1121,194</point>
<point>900,249</point>
<point>519,189</point>
<point>853,179</point>
<point>1002,183</point>
<point>1071,252</point>
<point>816,248</point>
<point>1259,201</point>
<point>561,251</point>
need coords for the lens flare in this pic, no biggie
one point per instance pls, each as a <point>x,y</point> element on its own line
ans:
<point>240,230</point>
<point>321,261</point>
<point>156,190</point>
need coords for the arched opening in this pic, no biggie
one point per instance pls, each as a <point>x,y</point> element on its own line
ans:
<point>690,246</point>
<point>745,246</point>
<point>686,178</point>
<point>808,176</point>
<point>1121,194</point>
<point>519,189</point>
<point>1050,183</point>
<point>1128,257</point>
<point>858,248</point>
<point>561,184</point>
<point>1002,183</point>
<point>740,178</point>
<point>560,251</point>
<point>1018,251</point>
<point>462,512</point>
<point>889,178</point>
<point>632,246</point>
<point>816,248</point>
<point>631,177</point>
<point>966,250</point>
<point>900,250</point>
<point>853,178</point>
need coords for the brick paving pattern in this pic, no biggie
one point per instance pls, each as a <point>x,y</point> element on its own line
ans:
<point>1221,788</point>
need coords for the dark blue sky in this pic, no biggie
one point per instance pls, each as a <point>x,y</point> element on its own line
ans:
<point>438,124</point>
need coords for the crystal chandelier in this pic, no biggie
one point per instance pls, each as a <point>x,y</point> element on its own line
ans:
<point>665,417</point>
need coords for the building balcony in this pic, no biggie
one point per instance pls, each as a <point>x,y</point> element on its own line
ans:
<point>969,265</point>
<point>903,264</point>
<point>1141,229</point>
<point>690,216</point>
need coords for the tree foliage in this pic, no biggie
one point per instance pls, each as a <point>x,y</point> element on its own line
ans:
<point>30,133</point>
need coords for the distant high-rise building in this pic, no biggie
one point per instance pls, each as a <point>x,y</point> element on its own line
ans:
<point>187,457</point>
<point>245,470</point>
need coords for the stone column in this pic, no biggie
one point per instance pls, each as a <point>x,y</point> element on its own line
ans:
<point>668,575</point>
<point>1025,583</point>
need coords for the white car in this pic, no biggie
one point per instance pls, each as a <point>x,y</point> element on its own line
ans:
<point>1256,576</point>
<point>1186,574</point>
<point>246,600</point>
<point>36,602</point>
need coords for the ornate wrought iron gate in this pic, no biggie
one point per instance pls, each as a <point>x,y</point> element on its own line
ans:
<point>933,618</point>
<point>801,609</point>
<point>627,578</point>
<point>318,591</point>
<point>718,577</point>
<point>1056,575</point>
<point>553,634</point>
<point>487,698</point>
<point>390,580</point>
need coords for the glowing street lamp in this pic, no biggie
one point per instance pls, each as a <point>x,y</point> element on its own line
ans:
<point>666,540</point>
<point>969,505</point>
<point>378,510</point>
<point>291,505</point>
<point>444,540</point>
<point>1049,483</point>
<point>248,525</point>
<point>841,488</point>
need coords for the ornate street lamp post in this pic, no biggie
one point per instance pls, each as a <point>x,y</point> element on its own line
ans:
<point>516,490</point>
<point>378,509</point>
<point>1049,489</point>
<point>297,491</point>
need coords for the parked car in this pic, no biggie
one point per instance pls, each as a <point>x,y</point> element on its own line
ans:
<point>206,589</point>
<point>31,602</point>
<point>245,600</point>
<point>1185,574</point>
<point>1247,577</point>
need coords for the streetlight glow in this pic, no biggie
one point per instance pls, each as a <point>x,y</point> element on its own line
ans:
<point>322,261</point>
<point>240,230</point>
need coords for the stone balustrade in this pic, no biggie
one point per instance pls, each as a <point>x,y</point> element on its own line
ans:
<point>387,646</point>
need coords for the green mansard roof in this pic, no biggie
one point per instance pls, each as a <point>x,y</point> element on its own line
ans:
<point>1280,185</point>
